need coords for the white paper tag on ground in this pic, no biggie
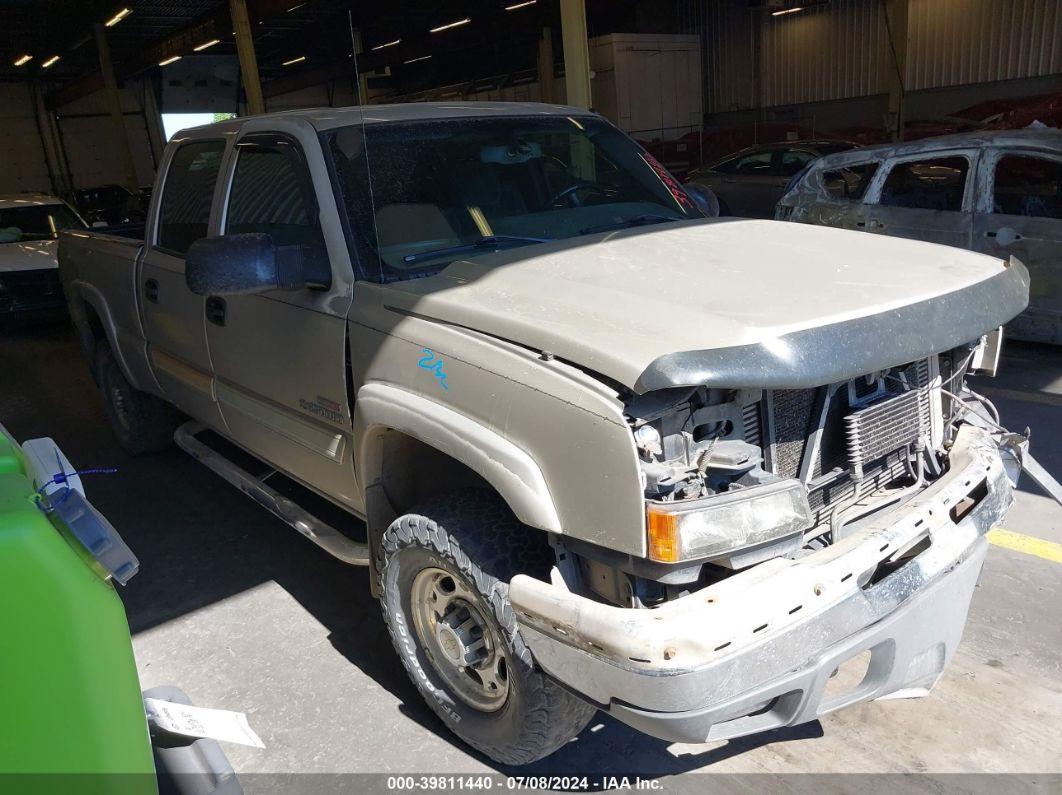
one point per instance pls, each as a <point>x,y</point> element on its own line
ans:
<point>191,721</point>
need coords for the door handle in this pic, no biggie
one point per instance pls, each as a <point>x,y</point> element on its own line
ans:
<point>215,310</point>
<point>151,291</point>
<point>1004,235</point>
<point>729,180</point>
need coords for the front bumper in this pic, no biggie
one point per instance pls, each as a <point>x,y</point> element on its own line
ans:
<point>31,292</point>
<point>756,651</point>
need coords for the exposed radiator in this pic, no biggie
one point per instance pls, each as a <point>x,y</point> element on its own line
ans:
<point>884,427</point>
<point>860,449</point>
<point>790,426</point>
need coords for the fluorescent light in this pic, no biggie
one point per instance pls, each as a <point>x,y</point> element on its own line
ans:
<point>170,60</point>
<point>300,59</point>
<point>524,4</point>
<point>118,17</point>
<point>386,44</point>
<point>421,58</point>
<point>206,44</point>
<point>49,62</point>
<point>787,11</point>
<point>22,60</point>
<point>449,25</point>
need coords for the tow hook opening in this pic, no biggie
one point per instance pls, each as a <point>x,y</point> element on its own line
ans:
<point>963,507</point>
<point>897,560</point>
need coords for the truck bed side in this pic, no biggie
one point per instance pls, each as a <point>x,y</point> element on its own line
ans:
<point>100,276</point>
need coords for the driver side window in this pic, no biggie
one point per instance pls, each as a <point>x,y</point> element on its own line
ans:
<point>271,193</point>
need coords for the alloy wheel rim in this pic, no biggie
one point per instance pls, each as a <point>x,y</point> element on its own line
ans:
<point>459,641</point>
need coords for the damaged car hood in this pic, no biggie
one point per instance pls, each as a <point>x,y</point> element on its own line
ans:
<point>730,303</point>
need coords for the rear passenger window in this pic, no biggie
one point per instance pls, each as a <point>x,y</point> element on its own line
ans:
<point>937,184</point>
<point>1029,186</point>
<point>850,182</point>
<point>187,193</point>
<point>760,163</point>
<point>754,163</point>
<point>271,193</point>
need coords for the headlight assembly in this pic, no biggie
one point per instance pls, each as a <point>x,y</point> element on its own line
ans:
<point>743,525</point>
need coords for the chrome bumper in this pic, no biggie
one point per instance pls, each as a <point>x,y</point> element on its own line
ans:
<point>755,651</point>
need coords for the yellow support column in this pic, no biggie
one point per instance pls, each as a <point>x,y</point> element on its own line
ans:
<point>545,66</point>
<point>576,52</point>
<point>252,86</point>
<point>896,18</point>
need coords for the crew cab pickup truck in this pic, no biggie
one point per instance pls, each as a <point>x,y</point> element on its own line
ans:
<point>600,451</point>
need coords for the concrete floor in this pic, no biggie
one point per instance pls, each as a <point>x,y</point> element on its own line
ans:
<point>244,614</point>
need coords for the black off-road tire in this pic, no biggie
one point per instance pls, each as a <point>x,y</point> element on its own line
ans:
<point>143,423</point>
<point>473,535</point>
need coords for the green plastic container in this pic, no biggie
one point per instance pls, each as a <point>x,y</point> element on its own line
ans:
<point>69,691</point>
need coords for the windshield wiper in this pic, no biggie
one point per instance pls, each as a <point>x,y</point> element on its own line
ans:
<point>638,220</point>
<point>487,241</point>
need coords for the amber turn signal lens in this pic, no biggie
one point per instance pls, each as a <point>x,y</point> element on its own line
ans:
<point>663,536</point>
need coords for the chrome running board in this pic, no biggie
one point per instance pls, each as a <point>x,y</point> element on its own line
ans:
<point>324,535</point>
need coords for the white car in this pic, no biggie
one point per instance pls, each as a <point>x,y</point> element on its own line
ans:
<point>29,229</point>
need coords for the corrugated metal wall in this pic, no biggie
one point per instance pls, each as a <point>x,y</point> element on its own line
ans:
<point>952,42</point>
<point>25,167</point>
<point>840,49</point>
<point>728,61</point>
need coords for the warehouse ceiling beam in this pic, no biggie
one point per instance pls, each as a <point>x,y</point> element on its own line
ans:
<point>216,23</point>
<point>489,21</point>
<point>114,106</point>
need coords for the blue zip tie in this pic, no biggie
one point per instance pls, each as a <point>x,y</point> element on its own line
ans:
<point>61,478</point>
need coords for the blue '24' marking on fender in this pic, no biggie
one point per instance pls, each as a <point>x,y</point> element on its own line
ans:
<point>434,365</point>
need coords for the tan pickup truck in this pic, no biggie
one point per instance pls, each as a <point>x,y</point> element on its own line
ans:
<point>599,450</point>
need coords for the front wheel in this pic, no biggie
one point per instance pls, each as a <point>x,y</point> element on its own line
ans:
<point>444,571</point>
<point>143,423</point>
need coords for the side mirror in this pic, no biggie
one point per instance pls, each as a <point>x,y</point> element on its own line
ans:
<point>250,263</point>
<point>704,198</point>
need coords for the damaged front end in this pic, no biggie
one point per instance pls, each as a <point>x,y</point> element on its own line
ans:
<point>788,531</point>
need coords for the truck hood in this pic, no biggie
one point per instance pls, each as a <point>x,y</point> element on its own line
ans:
<point>29,256</point>
<point>730,303</point>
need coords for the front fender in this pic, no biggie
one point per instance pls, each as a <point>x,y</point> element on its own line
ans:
<point>509,469</point>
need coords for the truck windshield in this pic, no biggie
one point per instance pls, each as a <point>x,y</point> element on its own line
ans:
<point>419,195</point>
<point>35,222</point>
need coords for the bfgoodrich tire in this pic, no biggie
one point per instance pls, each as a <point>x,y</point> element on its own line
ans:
<point>143,423</point>
<point>444,570</point>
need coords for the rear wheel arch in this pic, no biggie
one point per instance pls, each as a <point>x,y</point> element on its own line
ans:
<point>95,327</point>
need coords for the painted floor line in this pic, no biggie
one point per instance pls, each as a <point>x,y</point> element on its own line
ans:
<point>1019,542</point>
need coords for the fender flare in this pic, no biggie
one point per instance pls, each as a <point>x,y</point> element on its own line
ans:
<point>508,468</point>
<point>94,298</point>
